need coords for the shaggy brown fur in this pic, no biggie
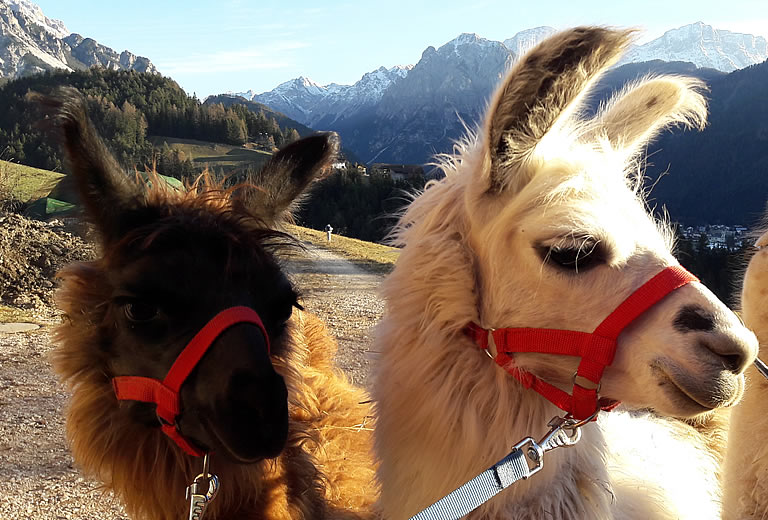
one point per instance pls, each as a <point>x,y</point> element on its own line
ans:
<point>324,472</point>
<point>325,469</point>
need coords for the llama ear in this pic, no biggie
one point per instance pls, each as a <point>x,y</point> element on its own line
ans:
<point>280,184</point>
<point>633,117</point>
<point>103,189</point>
<point>542,91</point>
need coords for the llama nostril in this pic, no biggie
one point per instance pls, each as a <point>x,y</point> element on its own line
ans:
<point>733,363</point>
<point>693,318</point>
<point>734,355</point>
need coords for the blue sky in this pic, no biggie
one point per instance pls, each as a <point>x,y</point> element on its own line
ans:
<point>214,46</point>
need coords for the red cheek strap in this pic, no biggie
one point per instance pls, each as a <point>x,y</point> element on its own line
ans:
<point>596,349</point>
<point>165,393</point>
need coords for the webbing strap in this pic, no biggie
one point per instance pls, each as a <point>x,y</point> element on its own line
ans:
<point>479,490</point>
<point>199,345</point>
<point>596,349</point>
<point>165,393</point>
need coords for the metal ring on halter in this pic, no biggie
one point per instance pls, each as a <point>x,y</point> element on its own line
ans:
<point>206,465</point>
<point>487,349</point>
<point>579,424</point>
<point>599,384</point>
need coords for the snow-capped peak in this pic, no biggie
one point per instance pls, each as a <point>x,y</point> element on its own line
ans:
<point>34,13</point>
<point>401,70</point>
<point>523,41</point>
<point>466,39</point>
<point>301,84</point>
<point>307,82</point>
<point>248,94</point>
<point>31,43</point>
<point>704,46</point>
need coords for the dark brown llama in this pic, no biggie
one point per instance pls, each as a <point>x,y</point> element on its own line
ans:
<point>286,430</point>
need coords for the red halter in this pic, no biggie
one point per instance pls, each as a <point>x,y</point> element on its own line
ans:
<point>596,349</point>
<point>165,393</point>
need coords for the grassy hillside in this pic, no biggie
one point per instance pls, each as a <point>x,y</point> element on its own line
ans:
<point>26,183</point>
<point>368,255</point>
<point>214,155</point>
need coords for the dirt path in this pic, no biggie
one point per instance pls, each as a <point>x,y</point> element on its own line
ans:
<point>345,297</point>
<point>38,479</point>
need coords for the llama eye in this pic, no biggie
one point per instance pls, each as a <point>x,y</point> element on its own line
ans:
<point>140,312</point>
<point>577,259</point>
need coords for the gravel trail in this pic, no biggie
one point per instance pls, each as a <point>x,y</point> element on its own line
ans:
<point>345,297</point>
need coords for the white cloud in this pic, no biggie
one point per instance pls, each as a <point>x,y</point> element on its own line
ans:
<point>271,56</point>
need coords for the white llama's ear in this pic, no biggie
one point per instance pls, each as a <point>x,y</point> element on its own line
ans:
<point>543,89</point>
<point>634,116</point>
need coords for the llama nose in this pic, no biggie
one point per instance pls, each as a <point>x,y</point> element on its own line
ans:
<point>736,351</point>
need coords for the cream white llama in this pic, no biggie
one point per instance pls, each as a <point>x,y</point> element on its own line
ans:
<point>541,222</point>
<point>746,462</point>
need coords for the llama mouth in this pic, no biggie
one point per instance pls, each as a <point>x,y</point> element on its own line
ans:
<point>694,396</point>
<point>230,453</point>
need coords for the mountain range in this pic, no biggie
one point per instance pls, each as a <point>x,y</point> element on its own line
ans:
<point>407,114</point>
<point>704,46</point>
<point>30,43</point>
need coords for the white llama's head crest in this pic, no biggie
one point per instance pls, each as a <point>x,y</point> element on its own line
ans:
<point>560,230</point>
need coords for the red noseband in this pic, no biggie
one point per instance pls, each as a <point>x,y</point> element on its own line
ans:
<point>165,393</point>
<point>596,349</point>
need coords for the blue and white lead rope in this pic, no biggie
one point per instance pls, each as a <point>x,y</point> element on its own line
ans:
<point>525,459</point>
<point>480,489</point>
<point>501,475</point>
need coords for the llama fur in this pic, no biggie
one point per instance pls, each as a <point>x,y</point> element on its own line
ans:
<point>326,469</point>
<point>746,466</point>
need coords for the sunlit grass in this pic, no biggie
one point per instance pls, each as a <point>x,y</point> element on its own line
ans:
<point>370,256</point>
<point>213,154</point>
<point>27,183</point>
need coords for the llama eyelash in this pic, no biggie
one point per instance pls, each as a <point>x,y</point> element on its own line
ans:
<point>574,253</point>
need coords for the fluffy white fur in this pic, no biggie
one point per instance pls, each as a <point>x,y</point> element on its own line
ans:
<point>746,467</point>
<point>536,177</point>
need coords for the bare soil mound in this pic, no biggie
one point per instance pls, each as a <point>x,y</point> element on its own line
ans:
<point>31,252</point>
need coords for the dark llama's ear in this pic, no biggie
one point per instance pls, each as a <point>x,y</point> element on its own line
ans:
<point>104,190</point>
<point>288,174</point>
<point>544,87</point>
